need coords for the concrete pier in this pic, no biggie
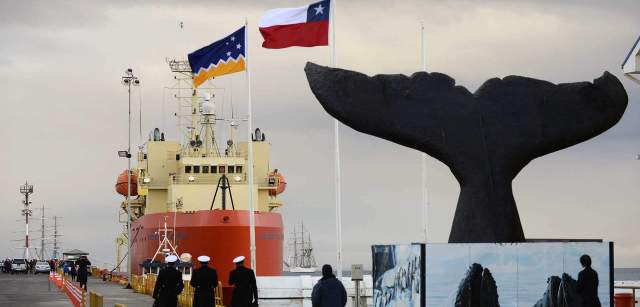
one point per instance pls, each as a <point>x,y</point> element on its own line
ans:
<point>114,293</point>
<point>30,290</point>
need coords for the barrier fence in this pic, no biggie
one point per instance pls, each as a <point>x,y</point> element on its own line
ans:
<point>75,293</point>
<point>143,284</point>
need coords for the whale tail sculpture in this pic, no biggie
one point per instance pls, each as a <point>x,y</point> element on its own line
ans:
<point>485,138</point>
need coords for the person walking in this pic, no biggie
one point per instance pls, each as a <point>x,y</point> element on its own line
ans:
<point>204,281</point>
<point>168,284</point>
<point>328,291</point>
<point>82,271</point>
<point>73,272</point>
<point>245,290</point>
<point>587,286</point>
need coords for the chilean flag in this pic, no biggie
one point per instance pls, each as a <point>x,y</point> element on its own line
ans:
<point>306,26</point>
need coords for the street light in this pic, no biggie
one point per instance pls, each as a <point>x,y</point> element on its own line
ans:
<point>127,80</point>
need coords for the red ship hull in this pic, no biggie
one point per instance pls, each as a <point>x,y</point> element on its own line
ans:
<point>219,234</point>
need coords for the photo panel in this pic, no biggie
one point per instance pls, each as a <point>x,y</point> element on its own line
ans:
<point>398,275</point>
<point>535,274</point>
<point>500,269</point>
<point>537,264</point>
<point>600,263</point>
<point>446,266</point>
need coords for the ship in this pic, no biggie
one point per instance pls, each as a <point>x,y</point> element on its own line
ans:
<point>191,197</point>
<point>301,259</point>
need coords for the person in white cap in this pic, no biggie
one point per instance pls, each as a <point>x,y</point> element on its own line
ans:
<point>168,284</point>
<point>204,280</point>
<point>245,290</point>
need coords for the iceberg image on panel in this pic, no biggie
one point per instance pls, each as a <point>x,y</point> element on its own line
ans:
<point>477,288</point>
<point>397,275</point>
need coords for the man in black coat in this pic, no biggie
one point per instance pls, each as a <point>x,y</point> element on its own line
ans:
<point>168,285</point>
<point>204,280</point>
<point>329,291</point>
<point>245,290</point>
<point>587,286</point>
<point>82,271</point>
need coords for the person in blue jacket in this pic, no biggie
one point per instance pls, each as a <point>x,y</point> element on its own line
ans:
<point>329,291</point>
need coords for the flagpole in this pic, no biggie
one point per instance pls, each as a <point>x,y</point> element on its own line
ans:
<point>336,144</point>
<point>252,226</point>
<point>424,188</point>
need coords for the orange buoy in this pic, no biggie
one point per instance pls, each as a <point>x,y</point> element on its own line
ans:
<point>624,300</point>
<point>277,179</point>
<point>121,184</point>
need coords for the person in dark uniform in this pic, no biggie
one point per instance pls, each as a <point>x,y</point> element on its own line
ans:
<point>204,280</point>
<point>82,271</point>
<point>328,291</point>
<point>245,290</point>
<point>587,286</point>
<point>168,285</point>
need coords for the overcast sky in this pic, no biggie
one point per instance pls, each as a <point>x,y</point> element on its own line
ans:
<point>64,113</point>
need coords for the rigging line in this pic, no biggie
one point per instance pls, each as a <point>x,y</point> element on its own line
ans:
<point>140,115</point>
<point>127,253</point>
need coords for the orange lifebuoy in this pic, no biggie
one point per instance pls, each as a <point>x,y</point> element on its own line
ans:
<point>280,183</point>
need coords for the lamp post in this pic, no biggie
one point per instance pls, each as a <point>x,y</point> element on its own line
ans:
<point>128,80</point>
<point>26,189</point>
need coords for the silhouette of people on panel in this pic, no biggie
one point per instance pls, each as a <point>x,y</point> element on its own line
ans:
<point>587,286</point>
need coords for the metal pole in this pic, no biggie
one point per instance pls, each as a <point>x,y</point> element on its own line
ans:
<point>42,235</point>
<point>55,237</point>
<point>26,239</point>
<point>357,293</point>
<point>423,156</point>
<point>336,145</point>
<point>129,243</point>
<point>252,226</point>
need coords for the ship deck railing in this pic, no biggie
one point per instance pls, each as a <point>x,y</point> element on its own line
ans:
<point>213,179</point>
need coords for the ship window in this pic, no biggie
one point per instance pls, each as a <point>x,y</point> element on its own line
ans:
<point>205,169</point>
<point>231,169</point>
<point>187,169</point>
<point>239,169</point>
<point>196,169</point>
<point>214,169</point>
<point>221,169</point>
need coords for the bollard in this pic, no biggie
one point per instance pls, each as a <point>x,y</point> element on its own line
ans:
<point>99,300</point>
<point>95,299</point>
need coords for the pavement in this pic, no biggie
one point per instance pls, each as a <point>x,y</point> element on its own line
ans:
<point>30,290</point>
<point>33,290</point>
<point>114,293</point>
